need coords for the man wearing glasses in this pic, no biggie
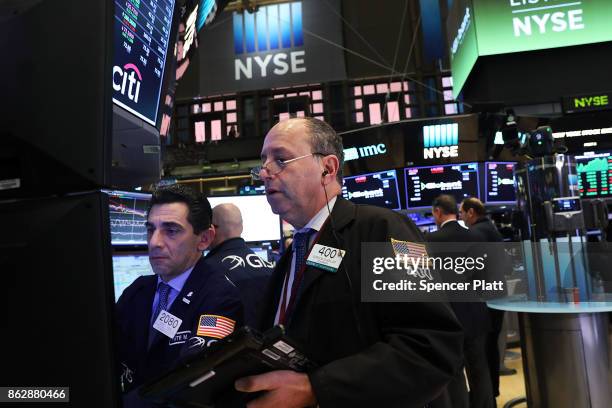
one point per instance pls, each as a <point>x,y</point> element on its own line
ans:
<point>370,354</point>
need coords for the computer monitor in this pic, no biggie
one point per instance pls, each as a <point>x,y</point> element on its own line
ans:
<point>252,190</point>
<point>499,183</point>
<point>380,189</point>
<point>141,37</point>
<point>127,267</point>
<point>58,290</point>
<point>128,214</point>
<point>594,170</point>
<point>260,252</point>
<point>260,223</point>
<point>424,184</point>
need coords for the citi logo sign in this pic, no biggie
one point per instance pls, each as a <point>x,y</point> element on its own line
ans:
<point>271,28</point>
<point>124,80</point>
<point>353,153</point>
<point>441,141</point>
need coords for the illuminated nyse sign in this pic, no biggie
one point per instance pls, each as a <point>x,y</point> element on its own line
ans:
<point>353,153</point>
<point>441,141</point>
<point>585,103</point>
<point>267,33</point>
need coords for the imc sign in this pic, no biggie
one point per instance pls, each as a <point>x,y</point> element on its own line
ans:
<point>272,48</point>
<point>441,141</point>
<point>275,32</point>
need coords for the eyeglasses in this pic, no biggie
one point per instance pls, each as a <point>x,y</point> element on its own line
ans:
<point>276,166</point>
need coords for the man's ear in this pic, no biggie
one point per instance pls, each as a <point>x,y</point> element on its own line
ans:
<point>206,238</point>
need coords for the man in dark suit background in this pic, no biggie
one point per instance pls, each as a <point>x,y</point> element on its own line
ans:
<point>369,354</point>
<point>185,304</point>
<point>474,316</point>
<point>229,253</point>
<point>473,212</point>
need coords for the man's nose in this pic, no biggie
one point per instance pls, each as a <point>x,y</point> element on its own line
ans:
<point>155,239</point>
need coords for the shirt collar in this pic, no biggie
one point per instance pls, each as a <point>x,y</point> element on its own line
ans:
<point>178,282</point>
<point>316,222</point>
<point>446,222</point>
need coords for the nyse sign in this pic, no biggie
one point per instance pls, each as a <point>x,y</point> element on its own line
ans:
<point>280,63</point>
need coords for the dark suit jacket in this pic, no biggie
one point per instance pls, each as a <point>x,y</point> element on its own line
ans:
<point>474,316</point>
<point>211,293</point>
<point>244,269</point>
<point>486,230</point>
<point>370,354</point>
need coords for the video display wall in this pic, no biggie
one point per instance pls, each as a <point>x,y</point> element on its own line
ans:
<point>379,189</point>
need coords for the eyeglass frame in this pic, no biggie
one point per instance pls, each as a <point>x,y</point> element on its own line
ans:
<point>256,171</point>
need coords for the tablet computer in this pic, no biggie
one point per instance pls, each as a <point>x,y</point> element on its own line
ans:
<point>207,378</point>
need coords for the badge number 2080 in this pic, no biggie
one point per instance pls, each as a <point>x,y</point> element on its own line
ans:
<point>167,323</point>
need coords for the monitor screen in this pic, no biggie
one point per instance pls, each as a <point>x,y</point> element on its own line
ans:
<point>261,252</point>
<point>128,214</point>
<point>499,182</point>
<point>251,190</point>
<point>141,35</point>
<point>594,175</point>
<point>378,189</point>
<point>424,184</point>
<point>128,267</point>
<point>259,222</point>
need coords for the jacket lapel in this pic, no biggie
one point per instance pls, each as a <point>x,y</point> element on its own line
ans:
<point>142,309</point>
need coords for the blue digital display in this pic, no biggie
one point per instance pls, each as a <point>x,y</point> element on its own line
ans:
<point>424,184</point>
<point>378,189</point>
<point>499,182</point>
<point>141,34</point>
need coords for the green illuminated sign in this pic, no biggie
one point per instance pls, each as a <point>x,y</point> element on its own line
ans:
<point>587,103</point>
<point>506,26</point>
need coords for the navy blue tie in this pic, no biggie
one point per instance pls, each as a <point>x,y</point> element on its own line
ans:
<point>300,245</point>
<point>164,292</point>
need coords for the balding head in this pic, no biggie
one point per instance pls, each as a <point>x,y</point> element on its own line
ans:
<point>227,220</point>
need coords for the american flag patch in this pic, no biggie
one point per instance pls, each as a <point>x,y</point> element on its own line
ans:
<point>411,249</point>
<point>215,326</point>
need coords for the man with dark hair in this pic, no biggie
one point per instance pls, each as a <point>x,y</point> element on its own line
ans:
<point>473,212</point>
<point>369,354</point>
<point>185,304</point>
<point>230,254</point>
<point>474,316</point>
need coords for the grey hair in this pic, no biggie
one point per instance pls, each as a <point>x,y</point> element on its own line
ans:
<point>325,140</point>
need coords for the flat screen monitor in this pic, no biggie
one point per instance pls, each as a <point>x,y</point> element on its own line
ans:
<point>499,182</point>
<point>128,214</point>
<point>252,190</point>
<point>60,291</point>
<point>424,184</point>
<point>261,252</point>
<point>141,36</point>
<point>127,268</point>
<point>378,189</point>
<point>594,174</point>
<point>259,222</point>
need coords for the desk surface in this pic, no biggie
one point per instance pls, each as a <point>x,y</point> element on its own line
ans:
<point>528,306</point>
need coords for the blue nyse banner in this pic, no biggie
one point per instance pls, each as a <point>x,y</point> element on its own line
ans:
<point>277,45</point>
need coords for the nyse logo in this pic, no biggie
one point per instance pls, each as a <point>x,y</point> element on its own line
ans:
<point>441,141</point>
<point>125,80</point>
<point>273,27</point>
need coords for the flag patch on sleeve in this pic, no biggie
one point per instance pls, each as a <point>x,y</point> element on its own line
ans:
<point>215,326</point>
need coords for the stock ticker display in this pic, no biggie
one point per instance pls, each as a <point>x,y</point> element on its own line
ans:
<point>128,214</point>
<point>499,179</point>
<point>141,34</point>
<point>594,175</point>
<point>424,184</point>
<point>378,189</point>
